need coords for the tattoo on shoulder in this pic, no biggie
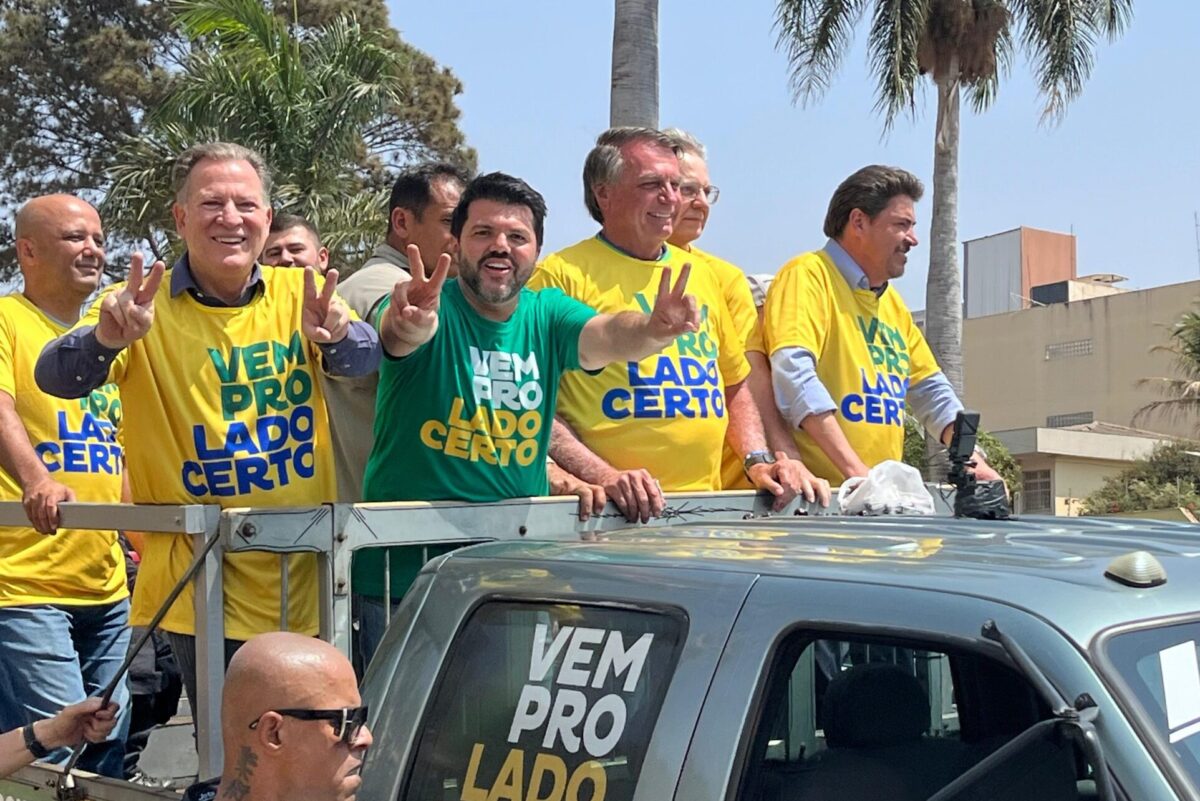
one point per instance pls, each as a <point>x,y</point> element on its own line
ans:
<point>239,787</point>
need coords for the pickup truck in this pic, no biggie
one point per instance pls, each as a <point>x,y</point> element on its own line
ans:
<point>730,654</point>
<point>797,660</point>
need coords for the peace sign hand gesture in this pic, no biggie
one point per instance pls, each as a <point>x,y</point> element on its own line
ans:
<point>126,315</point>
<point>411,319</point>
<point>326,318</point>
<point>674,313</point>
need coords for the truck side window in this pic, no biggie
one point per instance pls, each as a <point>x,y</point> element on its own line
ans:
<point>554,702</point>
<point>855,718</point>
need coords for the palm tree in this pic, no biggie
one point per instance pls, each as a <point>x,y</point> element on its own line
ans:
<point>963,45</point>
<point>319,104</point>
<point>635,64</point>
<point>1182,392</point>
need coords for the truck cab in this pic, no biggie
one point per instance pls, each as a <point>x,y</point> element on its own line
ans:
<point>798,660</point>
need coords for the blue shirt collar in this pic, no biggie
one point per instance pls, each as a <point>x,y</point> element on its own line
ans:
<point>182,278</point>
<point>849,268</point>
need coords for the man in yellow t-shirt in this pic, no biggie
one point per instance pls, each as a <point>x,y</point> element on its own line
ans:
<point>845,353</point>
<point>64,606</point>
<point>218,375</point>
<point>698,195</point>
<point>664,417</point>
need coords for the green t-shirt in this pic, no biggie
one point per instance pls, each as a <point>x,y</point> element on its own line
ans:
<point>467,415</point>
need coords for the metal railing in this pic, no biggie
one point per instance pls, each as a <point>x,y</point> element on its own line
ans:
<point>334,532</point>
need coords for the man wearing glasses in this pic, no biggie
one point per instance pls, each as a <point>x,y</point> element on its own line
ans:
<point>292,722</point>
<point>664,417</point>
<point>698,195</point>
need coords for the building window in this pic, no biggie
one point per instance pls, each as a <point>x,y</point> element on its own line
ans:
<point>1068,350</point>
<point>1072,419</point>
<point>1038,498</point>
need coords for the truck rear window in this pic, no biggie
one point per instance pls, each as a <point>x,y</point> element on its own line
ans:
<point>554,702</point>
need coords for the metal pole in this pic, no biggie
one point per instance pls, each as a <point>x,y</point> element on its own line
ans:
<point>285,562</point>
<point>210,658</point>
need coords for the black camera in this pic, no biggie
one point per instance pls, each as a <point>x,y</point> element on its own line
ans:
<point>982,500</point>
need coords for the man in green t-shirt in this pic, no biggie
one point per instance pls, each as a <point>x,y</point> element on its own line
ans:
<point>468,388</point>
<point>467,391</point>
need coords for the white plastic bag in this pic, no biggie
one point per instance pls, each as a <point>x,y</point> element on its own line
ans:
<point>890,488</point>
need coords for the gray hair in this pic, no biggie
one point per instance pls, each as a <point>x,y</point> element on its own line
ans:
<point>218,151</point>
<point>604,163</point>
<point>686,143</point>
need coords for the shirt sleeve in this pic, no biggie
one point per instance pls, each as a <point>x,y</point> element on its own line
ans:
<point>740,303</point>
<point>731,354</point>
<point>797,313</point>
<point>74,364</point>
<point>569,317</point>
<point>358,354</point>
<point>922,362</point>
<point>8,378</point>
<point>798,391</point>
<point>934,402</point>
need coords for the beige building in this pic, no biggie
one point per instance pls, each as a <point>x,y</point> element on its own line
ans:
<point>1075,361</point>
<point>1062,466</point>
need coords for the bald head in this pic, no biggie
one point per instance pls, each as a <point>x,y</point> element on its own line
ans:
<point>281,670</point>
<point>60,249</point>
<point>275,750</point>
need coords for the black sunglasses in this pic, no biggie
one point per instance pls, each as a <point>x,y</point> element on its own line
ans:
<point>346,722</point>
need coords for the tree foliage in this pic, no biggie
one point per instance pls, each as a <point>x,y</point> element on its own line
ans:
<point>1169,478</point>
<point>974,39</point>
<point>95,88</point>
<point>1181,392</point>
<point>77,77</point>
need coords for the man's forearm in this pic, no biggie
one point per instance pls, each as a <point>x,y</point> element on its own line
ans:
<point>830,438</point>
<point>357,354</point>
<point>622,337</point>
<point>74,364</point>
<point>17,455</point>
<point>745,432</point>
<point>779,436</point>
<point>569,453</point>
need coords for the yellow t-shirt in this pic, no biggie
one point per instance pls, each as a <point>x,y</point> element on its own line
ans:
<point>666,413</point>
<point>868,351</point>
<point>740,302</point>
<point>223,406</point>
<point>77,442</point>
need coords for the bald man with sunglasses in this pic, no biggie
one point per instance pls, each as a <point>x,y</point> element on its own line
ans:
<point>292,722</point>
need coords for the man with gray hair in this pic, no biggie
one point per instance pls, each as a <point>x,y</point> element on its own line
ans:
<point>845,352</point>
<point>664,417</point>
<point>698,197</point>
<point>218,375</point>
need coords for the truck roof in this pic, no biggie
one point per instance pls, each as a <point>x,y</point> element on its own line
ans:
<point>1051,566</point>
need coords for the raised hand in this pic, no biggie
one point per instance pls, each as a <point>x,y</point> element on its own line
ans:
<point>674,312</point>
<point>326,318</point>
<point>126,315</point>
<point>411,319</point>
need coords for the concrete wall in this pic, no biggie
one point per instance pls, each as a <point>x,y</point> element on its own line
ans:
<point>1000,271</point>
<point>1010,380</point>
<point>1075,479</point>
<point>1046,257</point>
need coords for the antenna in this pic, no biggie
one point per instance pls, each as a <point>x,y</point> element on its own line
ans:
<point>1196,217</point>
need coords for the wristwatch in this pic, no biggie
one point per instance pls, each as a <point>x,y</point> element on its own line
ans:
<point>38,750</point>
<point>757,457</point>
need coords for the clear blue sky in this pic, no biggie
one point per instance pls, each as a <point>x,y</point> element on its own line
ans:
<point>1122,171</point>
